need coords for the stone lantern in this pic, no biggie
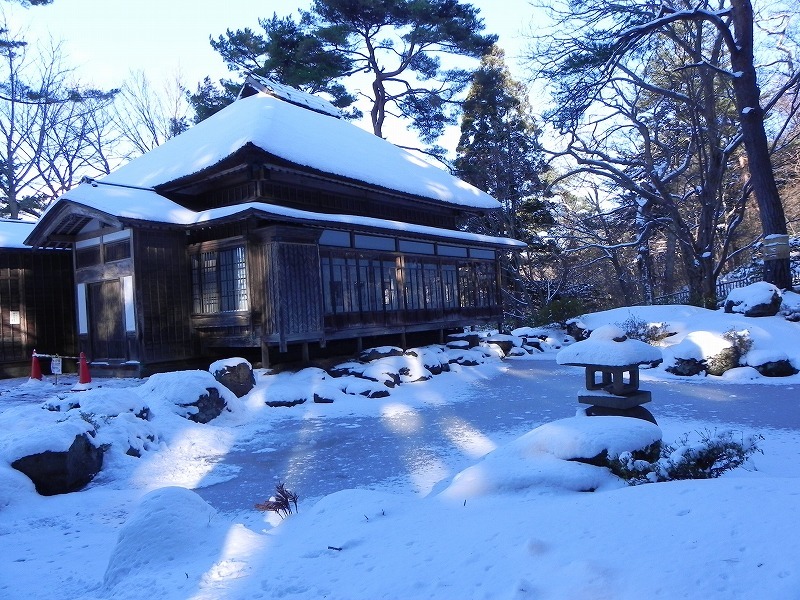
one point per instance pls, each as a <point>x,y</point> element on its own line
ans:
<point>612,364</point>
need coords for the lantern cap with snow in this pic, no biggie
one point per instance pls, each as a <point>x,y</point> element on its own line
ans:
<point>616,358</point>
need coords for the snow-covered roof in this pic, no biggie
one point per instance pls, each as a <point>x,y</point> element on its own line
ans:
<point>256,83</point>
<point>13,233</point>
<point>147,205</point>
<point>304,138</point>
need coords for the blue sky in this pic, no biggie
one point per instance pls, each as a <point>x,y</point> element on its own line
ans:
<point>105,39</point>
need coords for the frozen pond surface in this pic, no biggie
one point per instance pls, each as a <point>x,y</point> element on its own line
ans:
<point>410,450</point>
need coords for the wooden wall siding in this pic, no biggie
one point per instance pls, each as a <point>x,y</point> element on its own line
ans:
<point>13,338</point>
<point>163,295</point>
<point>293,292</point>
<point>40,286</point>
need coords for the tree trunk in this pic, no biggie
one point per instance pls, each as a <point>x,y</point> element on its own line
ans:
<point>668,281</point>
<point>745,86</point>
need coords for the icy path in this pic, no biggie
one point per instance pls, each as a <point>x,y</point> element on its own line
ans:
<point>408,450</point>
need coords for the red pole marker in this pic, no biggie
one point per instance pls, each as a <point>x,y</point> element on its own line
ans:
<point>36,369</point>
<point>83,371</point>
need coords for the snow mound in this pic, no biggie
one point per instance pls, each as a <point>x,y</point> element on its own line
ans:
<point>14,487</point>
<point>101,402</point>
<point>541,460</point>
<point>741,374</point>
<point>168,546</point>
<point>175,391</point>
<point>762,356</point>
<point>586,437</point>
<point>602,348</point>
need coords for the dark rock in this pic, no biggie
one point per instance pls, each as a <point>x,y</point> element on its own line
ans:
<point>209,406</point>
<point>318,399</point>
<point>279,403</point>
<point>436,369</point>
<point>409,375</point>
<point>371,354</point>
<point>637,412</point>
<point>344,369</point>
<point>466,358</point>
<point>62,472</point>
<point>472,339</point>
<point>504,343</point>
<point>686,367</point>
<point>238,378</point>
<point>777,368</point>
<point>533,343</point>
<point>577,331</point>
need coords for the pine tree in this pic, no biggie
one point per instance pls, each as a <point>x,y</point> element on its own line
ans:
<point>499,152</point>
<point>396,44</point>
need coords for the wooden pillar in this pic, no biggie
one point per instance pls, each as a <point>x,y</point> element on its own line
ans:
<point>264,355</point>
<point>306,356</point>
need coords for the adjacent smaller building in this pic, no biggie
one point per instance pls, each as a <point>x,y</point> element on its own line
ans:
<point>37,300</point>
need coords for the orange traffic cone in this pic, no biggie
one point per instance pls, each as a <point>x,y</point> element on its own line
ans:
<point>36,369</point>
<point>83,371</point>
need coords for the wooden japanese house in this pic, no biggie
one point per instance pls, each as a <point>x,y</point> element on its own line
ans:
<point>37,301</point>
<point>270,227</point>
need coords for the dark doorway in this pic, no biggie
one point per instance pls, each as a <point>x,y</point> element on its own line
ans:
<point>106,320</point>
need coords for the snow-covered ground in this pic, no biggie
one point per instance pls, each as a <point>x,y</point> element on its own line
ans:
<point>448,488</point>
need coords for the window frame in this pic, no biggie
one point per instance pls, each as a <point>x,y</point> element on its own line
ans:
<point>220,282</point>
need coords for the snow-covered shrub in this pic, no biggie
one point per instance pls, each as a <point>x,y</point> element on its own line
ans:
<point>741,340</point>
<point>730,357</point>
<point>709,457</point>
<point>638,329</point>
<point>559,310</point>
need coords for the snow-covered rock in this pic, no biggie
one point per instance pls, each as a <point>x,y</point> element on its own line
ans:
<point>702,352</point>
<point>194,395</point>
<point>760,299</point>
<point>236,374</point>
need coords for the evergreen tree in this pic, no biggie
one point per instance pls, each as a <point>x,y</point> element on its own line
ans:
<point>397,44</point>
<point>499,150</point>
<point>287,52</point>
